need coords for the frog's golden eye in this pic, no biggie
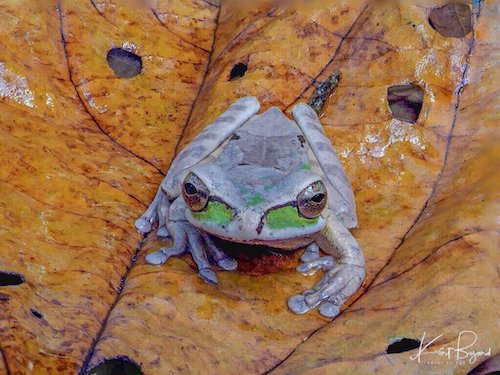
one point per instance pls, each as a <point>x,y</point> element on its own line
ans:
<point>195,193</point>
<point>312,200</point>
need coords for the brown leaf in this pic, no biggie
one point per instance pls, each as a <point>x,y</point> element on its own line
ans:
<point>452,20</point>
<point>83,151</point>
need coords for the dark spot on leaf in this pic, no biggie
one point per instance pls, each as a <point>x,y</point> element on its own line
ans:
<point>238,71</point>
<point>117,366</point>
<point>4,297</point>
<point>452,20</point>
<point>402,345</point>
<point>10,278</point>
<point>405,101</point>
<point>37,314</point>
<point>125,64</point>
<point>489,366</point>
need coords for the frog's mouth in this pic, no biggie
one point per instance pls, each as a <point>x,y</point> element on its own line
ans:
<point>257,259</point>
<point>252,249</point>
<point>272,246</point>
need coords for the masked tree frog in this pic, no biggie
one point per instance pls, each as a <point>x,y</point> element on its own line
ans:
<point>262,179</point>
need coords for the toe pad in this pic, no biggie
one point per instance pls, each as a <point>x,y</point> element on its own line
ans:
<point>228,264</point>
<point>143,225</point>
<point>329,310</point>
<point>298,305</point>
<point>208,276</point>
<point>156,258</point>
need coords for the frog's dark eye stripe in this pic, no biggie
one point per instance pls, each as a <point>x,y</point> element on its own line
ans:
<point>195,193</point>
<point>312,200</point>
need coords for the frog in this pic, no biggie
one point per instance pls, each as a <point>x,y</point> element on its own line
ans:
<point>262,179</point>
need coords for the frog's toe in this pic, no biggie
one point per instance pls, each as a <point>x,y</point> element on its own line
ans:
<point>156,258</point>
<point>228,264</point>
<point>143,225</point>
<point>311,253</point>
<point>309,256</point>
<point>208,276</point>
<point>162,232</point>
<point>329,309</point>
<point>325,263</point>
<point>298,305</point>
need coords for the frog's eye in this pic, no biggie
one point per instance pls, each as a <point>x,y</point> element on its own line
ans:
<point>312,200</point>
<point>195,193</point>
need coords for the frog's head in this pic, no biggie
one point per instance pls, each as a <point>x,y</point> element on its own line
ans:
<point>276,210</point>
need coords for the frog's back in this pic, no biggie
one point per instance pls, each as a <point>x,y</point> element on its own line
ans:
<point>266,148</point>
<point>270,146</point>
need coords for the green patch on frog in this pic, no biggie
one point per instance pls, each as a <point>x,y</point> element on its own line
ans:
<point>255,200</point>
<point>305,167</point>
<point>215,212</point>
<point>244,190</point>
<point>287,217</point>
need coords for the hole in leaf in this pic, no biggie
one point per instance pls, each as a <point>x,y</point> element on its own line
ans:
<point>125,64</point>
<point>452,20</point>
<point>402,345</point>
<point>10,278</point>
<point>37,314</point>
<point>238,71</point>
<point>405,101</point>
<point>117,366</point>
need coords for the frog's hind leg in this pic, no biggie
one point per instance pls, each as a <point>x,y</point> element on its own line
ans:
<point>147,219</point>
<point>340,195</point>
<point>178,231</point>
<point>207,141</point>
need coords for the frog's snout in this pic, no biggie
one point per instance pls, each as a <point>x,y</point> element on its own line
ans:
<point>252,218</point>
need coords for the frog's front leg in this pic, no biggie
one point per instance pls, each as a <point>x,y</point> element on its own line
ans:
<point>186,238</point>
<point>342,280</point>
<point>150,216</point>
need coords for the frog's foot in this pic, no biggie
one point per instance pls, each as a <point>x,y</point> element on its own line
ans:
<point>222,259</point>
<point>311,253</point>
<point>324,263</point>
<point>313,262</point>
<point>330,292</point>
<point>188,238</point>
<point>179,247</point>
<point>145,222</point>
<point>162,232</point>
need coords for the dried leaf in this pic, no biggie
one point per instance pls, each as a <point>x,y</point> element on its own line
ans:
<point>83,152</point>
<point>452,20</point>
